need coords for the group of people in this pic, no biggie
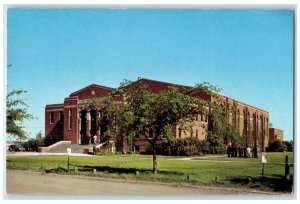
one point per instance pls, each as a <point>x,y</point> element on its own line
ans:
<point>245,152</point>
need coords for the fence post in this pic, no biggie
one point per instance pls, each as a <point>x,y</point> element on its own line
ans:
<point>287,167</point>
<point>68,162</point>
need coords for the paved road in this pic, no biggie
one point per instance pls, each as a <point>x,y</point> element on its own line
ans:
<point>27,182</point>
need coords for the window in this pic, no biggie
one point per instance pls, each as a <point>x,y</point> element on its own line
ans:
<point>201,117</point>
<point>51,117</point>
<point>70,119</point>
<point>61,117</point>
<point>197,133</point>
<point>179,132</point>
<point>191,132</point>
<point>151,133</point>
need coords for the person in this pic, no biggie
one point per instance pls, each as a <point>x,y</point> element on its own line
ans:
<point>254,152</point>
<point>248,152</point>
<point>240,151</point>
<point>235,151</point>
<point>232,151</point>
<point>245,152</point>
<point>94,149</point>
<point>228,151</point>
<point>95,139</point>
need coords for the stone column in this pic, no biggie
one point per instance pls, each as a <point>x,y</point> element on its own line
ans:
<point>88,126</point>
<point>263,132</point>
<point>79,128</point>
<point>99,129</point>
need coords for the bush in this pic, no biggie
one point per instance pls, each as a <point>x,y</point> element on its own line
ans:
<point>289,145</point>
<point>190,146</point>
<point>276,146</point>
<point>34,143</point>
<point>178,147</point>
<point>187,147</point>
<point>162,148</point>
<point>215,144</point>
<point>204,147</point>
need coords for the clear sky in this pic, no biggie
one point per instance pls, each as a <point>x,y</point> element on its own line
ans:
<point>248,53</point>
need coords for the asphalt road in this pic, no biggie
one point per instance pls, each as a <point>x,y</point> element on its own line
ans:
<point>28,182</point>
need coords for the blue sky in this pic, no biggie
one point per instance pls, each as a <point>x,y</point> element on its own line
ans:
<point>249,53</point>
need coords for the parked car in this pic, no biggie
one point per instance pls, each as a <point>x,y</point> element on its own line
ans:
<point>28,148</point>
<point>16,148</point>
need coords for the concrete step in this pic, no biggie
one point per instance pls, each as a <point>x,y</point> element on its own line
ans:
<point>75,148</point>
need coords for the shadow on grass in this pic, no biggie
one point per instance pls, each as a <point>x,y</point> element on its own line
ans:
<point>57,170</point>
<point>118,170</point>
<point>276,182</point>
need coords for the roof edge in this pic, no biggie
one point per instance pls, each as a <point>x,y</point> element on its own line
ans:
<point>91,85</point>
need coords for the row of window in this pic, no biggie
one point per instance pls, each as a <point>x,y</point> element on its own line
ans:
<point>61,118</point>
<point>203,118</point>
<point>191,132</point>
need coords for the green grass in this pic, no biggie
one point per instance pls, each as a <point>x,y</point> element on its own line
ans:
<point>207,170</point>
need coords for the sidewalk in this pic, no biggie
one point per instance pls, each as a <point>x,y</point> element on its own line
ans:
<point>45,154</point>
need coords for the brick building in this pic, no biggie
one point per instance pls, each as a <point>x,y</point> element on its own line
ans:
<point>275,134</point>
<point>66,121</point>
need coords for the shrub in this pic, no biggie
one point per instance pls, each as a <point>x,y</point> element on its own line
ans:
<point>289,145</point>
<point>204,147</point>
<point>192,146</point>
<point>178,147</point>
<point>34,143</point>
<point>162,148</point>
<point>276,146</point>
<point>215,144</point>
<point>189,146</point>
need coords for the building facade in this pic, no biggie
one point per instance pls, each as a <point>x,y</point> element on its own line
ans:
<point>68,121</point>
<point>275,135</point>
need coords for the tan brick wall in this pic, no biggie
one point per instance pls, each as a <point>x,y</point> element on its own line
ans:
<point>275,134</point>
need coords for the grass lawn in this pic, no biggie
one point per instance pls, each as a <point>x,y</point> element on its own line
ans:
<point>206,170</point>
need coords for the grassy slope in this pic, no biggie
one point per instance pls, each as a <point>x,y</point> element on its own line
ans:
<point>202,170</point>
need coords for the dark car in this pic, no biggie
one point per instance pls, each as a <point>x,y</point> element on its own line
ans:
<point>28,148</point>
<point>16,148</point>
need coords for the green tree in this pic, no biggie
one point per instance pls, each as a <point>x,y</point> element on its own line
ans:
<point>39,135</point>
<point>16,114</point>
<point>154,113</point>
<point>289,145</point>
<point>276,146</point>
<point>35,143</point>
<point>149,114</point>
<point>115,121</point>
<point>220,131</point>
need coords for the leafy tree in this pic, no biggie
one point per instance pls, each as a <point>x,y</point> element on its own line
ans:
<point>131,138</point>
<point>215,144</point>
<point>154,113</point>
<point>276,146</point>
<point>289,145</point>
<point>114,120</point>
<point>151,115</point>
<point>219,132</point>
<point>123,126</point>
<point>204,147</point>
<point>39,135</point>
<point>34,143</point>
<point>16,114</point>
